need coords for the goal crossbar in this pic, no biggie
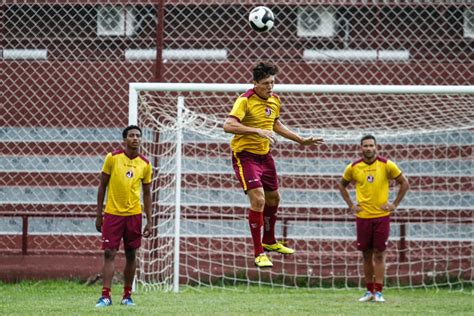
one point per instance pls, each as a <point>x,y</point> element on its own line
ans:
<point>134,87</point>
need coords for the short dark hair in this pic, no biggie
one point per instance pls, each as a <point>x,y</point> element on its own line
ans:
<point>368,137</point>
<point>264,70</point>
<point>128,128</point>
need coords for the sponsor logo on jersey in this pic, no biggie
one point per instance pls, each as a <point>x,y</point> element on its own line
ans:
<point>370,179</point>
<point>129,174</point>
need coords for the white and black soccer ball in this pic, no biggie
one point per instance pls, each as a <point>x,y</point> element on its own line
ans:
<point>261,19</point>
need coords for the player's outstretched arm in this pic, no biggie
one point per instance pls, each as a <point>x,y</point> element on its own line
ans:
<point>284,131</point>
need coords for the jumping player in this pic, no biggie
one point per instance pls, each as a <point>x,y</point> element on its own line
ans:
<point>254,120</point>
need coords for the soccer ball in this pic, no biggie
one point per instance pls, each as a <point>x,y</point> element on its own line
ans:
<point>261,19</point>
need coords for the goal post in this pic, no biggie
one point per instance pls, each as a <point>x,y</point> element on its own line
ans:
<point>201,235</point>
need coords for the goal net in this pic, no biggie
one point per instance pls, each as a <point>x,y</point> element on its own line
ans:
<point>201,235</point>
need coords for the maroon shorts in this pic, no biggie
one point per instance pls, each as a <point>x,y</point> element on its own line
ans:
<point>255,171</point>
<point>372,233</point>
<point>114,228</point>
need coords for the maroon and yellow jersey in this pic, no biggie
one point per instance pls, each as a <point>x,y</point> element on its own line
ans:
<point>372,184</point>
<point>126,179</point>
<point>253,111</point>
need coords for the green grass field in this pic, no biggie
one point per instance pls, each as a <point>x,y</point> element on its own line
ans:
<point>74,298</point>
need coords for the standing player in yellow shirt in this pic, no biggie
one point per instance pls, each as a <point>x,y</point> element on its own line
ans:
<point>372,174</point>
<point>254,120</point>
<point>124,175</point>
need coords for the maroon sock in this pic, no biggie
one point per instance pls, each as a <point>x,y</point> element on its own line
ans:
<point>269,220</point>
<point>256,223</point>
<point>378,287</point>
<point>370,287</point>
<point>127,291</point>
<point>106,292</point>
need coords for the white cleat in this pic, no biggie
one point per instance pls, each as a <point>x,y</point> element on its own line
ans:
<point>368,296</point>
<point>378,297</point>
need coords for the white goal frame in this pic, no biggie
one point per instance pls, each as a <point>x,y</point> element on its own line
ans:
<point>136,87</point>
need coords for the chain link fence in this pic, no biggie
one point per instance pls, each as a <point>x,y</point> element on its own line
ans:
<point>66,66</point>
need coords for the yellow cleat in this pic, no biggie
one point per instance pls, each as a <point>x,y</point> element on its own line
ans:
<point>262,261</point>
<point>278,247</point>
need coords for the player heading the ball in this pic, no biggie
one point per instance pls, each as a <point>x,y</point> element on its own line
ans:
<point>255,120</point>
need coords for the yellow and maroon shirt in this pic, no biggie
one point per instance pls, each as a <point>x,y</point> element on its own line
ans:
<point>253,111</point>
<point>372,184</point>
<point>126,179</point>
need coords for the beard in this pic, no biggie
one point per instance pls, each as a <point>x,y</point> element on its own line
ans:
<point>369,154</point>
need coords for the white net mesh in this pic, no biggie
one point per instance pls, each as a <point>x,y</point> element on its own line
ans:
<point>429,136</point>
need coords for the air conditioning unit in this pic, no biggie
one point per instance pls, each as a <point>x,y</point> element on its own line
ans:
<point>316,22</point>
<point>115,21</point>
<point>469,23</point>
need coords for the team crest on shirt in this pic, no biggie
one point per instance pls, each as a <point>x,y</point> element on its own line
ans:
<point>268,112</point>
<point>129,174</point>
<point>370,178</point>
